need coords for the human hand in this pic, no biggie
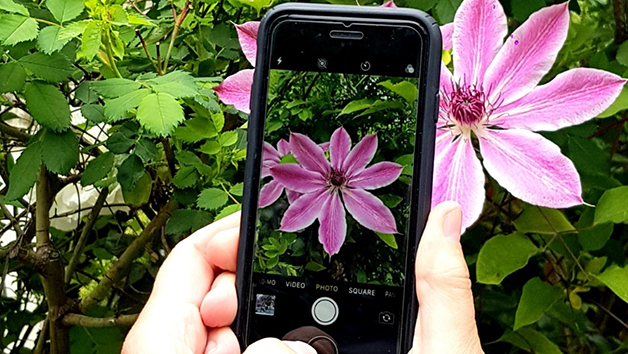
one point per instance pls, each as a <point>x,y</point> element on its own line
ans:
<point>446,320</point>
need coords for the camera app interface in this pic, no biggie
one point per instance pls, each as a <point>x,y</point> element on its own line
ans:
<point>333,208</point>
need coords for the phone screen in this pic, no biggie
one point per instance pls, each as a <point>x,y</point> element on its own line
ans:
<point>334,206</point>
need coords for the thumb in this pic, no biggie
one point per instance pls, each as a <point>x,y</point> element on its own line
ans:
<point>276,346</point>
<point>446,322</point>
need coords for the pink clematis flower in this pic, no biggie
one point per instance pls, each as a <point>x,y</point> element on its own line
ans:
<point>495,96</point>
<point>272,190</point>
<point>323,182</point>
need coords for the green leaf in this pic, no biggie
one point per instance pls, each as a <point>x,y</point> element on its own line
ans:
<point>620,104</point>
<point>592,237</point>
<point>119,143</point>
<point>538,296</point>
<point>588,157</point>
<point>256,4</point>
<point>521,10</point>
<point>112,88</point>
<point>446,10</point>
<point>424,5</point>
<point>357,105</point>
<point>616,278</point>
<point>52,68</point>
<point>117,108</point>
<point>405,89</point>
<point>85,93</point>
<point>10,6</point>
<point>146,150</point>
<point>314,267</point>
<point>130,171</point>
<point>195,130</point>
<point>140,193</point>
<point>210,148</point>
<point>622,54</point>
<point>212,199</point>
<point>179,84</point>
<point>47,105</point>
<point>73,30</point>
<point>98,169</point>
<point>612,206</point>
<point>160,113</point>
<point>388,239</point>
<point>237,189</point>
<point>24,174</point>
<point>502,255</point>
<point>17,28</point>
<point>184,221</point>
<point>391,200</point>
<point>65,10</point>
<point>228,210</point>
<point>48,40</point>
<point>186,177</point>
<point>12,77</point>
<point>228,138</point>
<point>94,113</point>
<point>90,41</point>
<point>59,151</point>
<point>531,341</point>
<point>541,220</point>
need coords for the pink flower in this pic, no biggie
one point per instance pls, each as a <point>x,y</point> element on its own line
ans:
<point>272,190</point>
<point>323,182</point>
<point>494,95</point>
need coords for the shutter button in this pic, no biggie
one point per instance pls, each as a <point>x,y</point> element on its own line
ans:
<point>325,311</point>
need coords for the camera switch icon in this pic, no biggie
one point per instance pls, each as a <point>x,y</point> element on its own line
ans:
<point>386,317</point>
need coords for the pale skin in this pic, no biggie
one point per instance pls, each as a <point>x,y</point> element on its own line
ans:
<point>194,300</point>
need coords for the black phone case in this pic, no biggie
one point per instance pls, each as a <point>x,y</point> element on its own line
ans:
<point>427,113</point>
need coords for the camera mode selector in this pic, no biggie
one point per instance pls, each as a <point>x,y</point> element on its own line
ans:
<point>325,311</point>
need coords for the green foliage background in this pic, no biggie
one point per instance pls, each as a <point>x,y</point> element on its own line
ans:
<point>142,73</point>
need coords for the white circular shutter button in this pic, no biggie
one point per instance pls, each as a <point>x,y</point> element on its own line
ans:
<point>325,311</point>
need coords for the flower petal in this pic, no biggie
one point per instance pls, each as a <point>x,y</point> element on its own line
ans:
<point>296,178</point>
<point>531,168</point>
<point>247,35</point>
<point>528,55</point>
<point>309,155</point>
<point>369,211</point>
<point>360,156</point>
<point>269,193</point>
<point>292,195</point>
<point>379,175</point>
<point>446,82</point>
<point>339,146</point>
<point>571,98</point>
<point>458,177</point>
<point>236,90</point>
<point>446,32</point>
<point>284,147</point>
<point>333,229</point>
<point>479,30</point>
<point>270,153</point>
<point>303,211</point>
<point>388,4</point>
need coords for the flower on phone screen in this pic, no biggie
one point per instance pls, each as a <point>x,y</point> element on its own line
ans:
<point>272,190</point>
<point>330,186</point>
<point>494,95</point>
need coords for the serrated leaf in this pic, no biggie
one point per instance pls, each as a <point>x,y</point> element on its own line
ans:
<point>117,108</point>
<point>612,206</point>
<point>228,210</point>
<point>119,143</point>
<point>186,177</point>
<point>237,189</point>
<point>184,221</point>
<point>17,28</point>
<point>52,68</point>
<point>616,278</point>
<point>542,221</point>
<point>48,40</point>
<point>116,87</point>
<point>85,93</point>
<point>59,151</point>
<point>537,297</point>
<point>47,105</point>
<point>94,113</point>
<point>211,147</point>
<point>97,169</point>
<point>228,138</point>
<point>196,129</point>
<point>24,174</point>
<point>90,41</point>
<point>140,194</point>
<point>146,150</point>
<point>73,30</point>
<point>388,239</point>
<point>10,6</point>
<point>179,84</point>
<point>12,77</point>
<point>130,171</point>
<point>502,255</point>
<point>65,10</point>
<point>159,113</point>
<point>212,199</point>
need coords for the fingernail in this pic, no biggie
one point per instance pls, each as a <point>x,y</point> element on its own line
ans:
<point>211,347</point>
<point>452,225</point>
<point>300,347</point>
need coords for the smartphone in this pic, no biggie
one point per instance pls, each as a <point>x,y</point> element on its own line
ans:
<point>338,174</point>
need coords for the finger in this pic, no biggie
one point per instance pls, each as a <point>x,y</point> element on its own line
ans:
<point>220,305</point>
<point>446,322</point>
<point>275,346</point>
<point>188,271</point>
<point>223,249</point>
<point>222,341</point>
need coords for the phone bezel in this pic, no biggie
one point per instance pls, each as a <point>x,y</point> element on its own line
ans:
<point>427,109</point>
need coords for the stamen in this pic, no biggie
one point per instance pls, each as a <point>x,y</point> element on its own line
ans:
<point>466,105</point>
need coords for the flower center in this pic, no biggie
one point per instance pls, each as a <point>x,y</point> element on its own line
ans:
<point>337,178</point>
<point>467,105</point>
